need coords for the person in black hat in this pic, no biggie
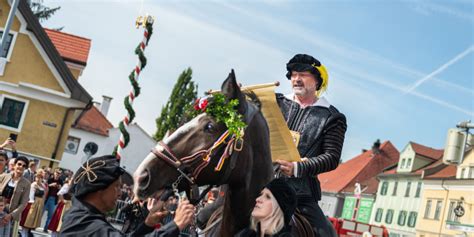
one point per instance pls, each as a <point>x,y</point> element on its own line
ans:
<point>319,129</point>
<point>273,211</point>
<point>96,188</point>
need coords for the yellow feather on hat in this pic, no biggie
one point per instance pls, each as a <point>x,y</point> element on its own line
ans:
<point>324,77</point>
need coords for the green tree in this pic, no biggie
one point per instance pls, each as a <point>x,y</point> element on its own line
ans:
<point>43,12</point>
<point>176,110</point>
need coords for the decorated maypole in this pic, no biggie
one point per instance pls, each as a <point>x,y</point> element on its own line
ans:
<point>147,23</point>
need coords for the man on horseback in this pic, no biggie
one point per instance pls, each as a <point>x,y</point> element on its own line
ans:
<point>319,129</point>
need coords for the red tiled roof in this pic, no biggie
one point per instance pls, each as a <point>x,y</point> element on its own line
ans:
<point>432,165</point>
<point>428,152</point>
<point>70,47</point>
<point>94,121</point>
<point>448,172</point>
<point>361,169</point>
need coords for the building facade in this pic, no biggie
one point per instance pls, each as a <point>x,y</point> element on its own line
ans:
<point>39,95</point>
<point>400,189</point>
<point>93,129</point>
<point>447,205</point>
<point>339,195</point>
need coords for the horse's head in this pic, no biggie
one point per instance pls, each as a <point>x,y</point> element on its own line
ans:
<point>180,159</point>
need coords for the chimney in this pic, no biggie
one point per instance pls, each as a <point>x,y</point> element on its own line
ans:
<point>376,147</point>
<point>104,107</point>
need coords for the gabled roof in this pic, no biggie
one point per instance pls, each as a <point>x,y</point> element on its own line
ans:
<point>361,169</point>
<point>93,121</point>
<point>33,25</point>
<point>434,155</point>
<point>71,47</point>
<point>428,152</point>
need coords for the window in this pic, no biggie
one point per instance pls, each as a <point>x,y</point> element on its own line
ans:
<point>72,145</point>
<point>451,215</point>
<point>407,191</point>
<point>418,189</point>
<point>471,172</point>
<point>412,219</point>
<point>428,209</point>
<point>438,209</point>
<point>389,216</point>
<point>12,112</point>
<point>8,43</point>
<point>409,163</point>
<point>463,170</point>
<point>402,217</point>
<point>383,191</point>
<point>394,192</point>
<point>378,214</point>
<point>403,164</point>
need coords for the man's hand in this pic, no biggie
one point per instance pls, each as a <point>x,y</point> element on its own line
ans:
<point>156,212</point>
<point>6,143</point>
<point>12,144</point>
<point>184,214</point>
<point>286,167</point>
<point>7,218</point>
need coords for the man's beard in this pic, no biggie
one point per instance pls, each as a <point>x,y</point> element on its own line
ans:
<point>301,91</point>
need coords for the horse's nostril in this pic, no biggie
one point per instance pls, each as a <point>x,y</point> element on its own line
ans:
<point>144,180</point>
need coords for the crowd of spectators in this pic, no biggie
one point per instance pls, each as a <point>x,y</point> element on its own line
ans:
<point>28,192</point>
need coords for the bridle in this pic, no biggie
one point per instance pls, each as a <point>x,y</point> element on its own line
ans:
<point>232,147</point>
<point>182,165</point>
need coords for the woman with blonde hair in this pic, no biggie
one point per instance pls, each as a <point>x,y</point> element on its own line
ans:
<point>273,211</point>
<point>37,196</point>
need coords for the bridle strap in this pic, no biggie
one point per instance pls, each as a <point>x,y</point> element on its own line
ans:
<point>180,164</point>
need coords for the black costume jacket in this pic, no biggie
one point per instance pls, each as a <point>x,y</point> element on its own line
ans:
<point>84,219</point>
<point>322,130</point>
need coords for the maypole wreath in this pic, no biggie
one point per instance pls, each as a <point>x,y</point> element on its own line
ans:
<point>147,23</point>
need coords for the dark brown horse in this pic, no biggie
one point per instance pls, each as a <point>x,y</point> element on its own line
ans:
<point>179,161</point>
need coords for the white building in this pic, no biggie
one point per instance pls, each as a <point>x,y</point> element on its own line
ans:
<point>400,188</point>
<point>92,127</point>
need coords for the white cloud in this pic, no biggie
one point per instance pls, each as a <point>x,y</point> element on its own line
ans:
<point>430,7</point>
<point>440,69</point>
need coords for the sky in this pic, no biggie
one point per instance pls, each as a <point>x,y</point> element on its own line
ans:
<point>399,70</point>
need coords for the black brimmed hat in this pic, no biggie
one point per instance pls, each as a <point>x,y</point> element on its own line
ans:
<point>96,174</point>
<point>307,63</point>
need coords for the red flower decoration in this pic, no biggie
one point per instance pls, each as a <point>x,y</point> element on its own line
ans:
<point>201,104</point>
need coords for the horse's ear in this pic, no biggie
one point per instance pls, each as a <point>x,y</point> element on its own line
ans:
<point>231,90</point>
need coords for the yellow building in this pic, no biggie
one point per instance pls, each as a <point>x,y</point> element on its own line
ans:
<point>448,200</point>
<point>39,93</point>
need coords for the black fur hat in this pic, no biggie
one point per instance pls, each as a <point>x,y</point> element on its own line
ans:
<point>96,174</point>
<point>304,63</point>
<point>285,196</point>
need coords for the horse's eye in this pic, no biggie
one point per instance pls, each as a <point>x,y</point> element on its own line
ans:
<point>209,127</point>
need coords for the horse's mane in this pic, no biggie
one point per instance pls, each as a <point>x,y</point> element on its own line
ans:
<point>253,98</point>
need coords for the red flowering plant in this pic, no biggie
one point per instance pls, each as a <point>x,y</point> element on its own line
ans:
<point>222,110</point>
